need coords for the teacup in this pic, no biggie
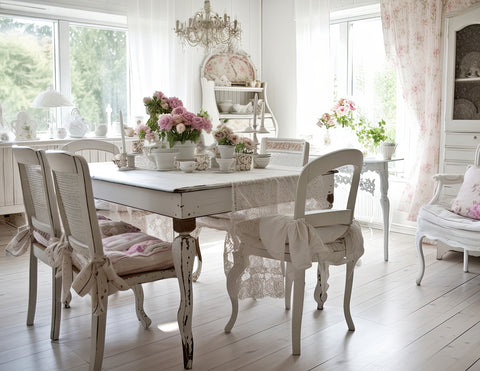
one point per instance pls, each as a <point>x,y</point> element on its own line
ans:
<point>187,166</point>
<point>226,164</point>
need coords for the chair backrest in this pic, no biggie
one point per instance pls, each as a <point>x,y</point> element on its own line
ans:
<point>93,150</point>
<point>73,187</point>
<point>477,156</point>
<point>286,151</point>
<point>322,165</point>
<point>37,190</point>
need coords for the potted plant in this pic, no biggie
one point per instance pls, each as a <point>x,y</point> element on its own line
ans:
<point>343,114</point>
<point>226,141</point>
<point>244,154</point>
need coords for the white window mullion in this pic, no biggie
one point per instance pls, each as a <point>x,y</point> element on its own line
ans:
<point>63,78</point>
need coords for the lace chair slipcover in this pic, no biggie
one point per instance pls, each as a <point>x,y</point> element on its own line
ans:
<point>436,221</point>
<point>284,152</point>
<point>328,236</point>
<point>118,262</point>
<point>42,231</point>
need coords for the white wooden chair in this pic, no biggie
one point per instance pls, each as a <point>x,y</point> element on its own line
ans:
<point>43,227</point>
<point>77,146</point>
<point>270,237</point>
<point>436,221</point>
<point>119,262</point>
<point>284,152</point>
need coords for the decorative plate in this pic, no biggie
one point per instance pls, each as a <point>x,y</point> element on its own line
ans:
<point>470,65</point>
<point>463,109</point>
<point>237,68</point>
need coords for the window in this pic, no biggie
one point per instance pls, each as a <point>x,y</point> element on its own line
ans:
<point>98,72</point>
<point>93,66</point>
<point>361,71</point>
<point>27,65</point>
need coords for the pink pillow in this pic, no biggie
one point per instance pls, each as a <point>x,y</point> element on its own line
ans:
<point>467,202</point>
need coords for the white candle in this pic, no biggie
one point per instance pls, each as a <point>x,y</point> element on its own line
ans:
<point>255,103</point>
<point>122,133</point>
<point>263,115</point>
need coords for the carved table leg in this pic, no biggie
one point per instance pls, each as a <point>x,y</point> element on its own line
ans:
<point>183,250</point>
<point>385,203</point>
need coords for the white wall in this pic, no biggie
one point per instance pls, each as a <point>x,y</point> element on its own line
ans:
<point>279,62</point>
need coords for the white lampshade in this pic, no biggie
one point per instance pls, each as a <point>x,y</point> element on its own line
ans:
<point>50,98</point>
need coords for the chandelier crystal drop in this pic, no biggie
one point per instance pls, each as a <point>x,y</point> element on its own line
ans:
<point>208,29</point>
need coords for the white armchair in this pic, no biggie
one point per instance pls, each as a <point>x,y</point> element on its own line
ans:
<point>437,221</point>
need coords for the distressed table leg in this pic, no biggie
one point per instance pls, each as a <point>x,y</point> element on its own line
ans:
<point>183,250</point>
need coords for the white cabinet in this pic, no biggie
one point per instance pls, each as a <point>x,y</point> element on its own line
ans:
<point>461,91</point>
<point>212,95</point>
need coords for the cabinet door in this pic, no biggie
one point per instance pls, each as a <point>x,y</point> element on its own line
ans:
<point>462,95</point>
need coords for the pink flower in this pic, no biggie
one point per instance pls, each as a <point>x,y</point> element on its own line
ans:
<point>165,122</point>
<point>219,135</point>
<point>197,122</point>
<point>159,95</point>
<point>180,110</point>
<point>341,111</point>
<point>475,211</point>
<point>174,102</point>
<point>164,104</point>
<point>180,128</point>
<point>234,138</point>
<point>146,100</point>
<point>150,136</point>
<point>177,119</point>
<point>188,116</point>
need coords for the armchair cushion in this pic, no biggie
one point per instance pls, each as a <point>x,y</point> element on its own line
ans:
<point>440,216</point>
<point>467,202</point>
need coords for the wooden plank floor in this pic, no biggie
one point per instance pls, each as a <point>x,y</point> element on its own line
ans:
<point>399,326</point>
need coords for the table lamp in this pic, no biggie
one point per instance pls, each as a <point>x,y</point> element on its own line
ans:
<point>51,99</point>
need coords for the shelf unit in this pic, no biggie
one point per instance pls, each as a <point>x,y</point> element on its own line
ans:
<point>212,95</point>
<point>461,91</point>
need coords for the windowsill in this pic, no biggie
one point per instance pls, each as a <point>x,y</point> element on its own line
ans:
<point>44,139</point>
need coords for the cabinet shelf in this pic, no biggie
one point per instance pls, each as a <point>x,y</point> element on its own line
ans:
<point>240,116</point>
<point>468,79</point>
<point>244,89</point>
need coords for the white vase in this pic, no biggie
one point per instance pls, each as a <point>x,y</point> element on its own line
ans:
<point>388,149</point>
<point>185,150</point>
<point>226,151</point>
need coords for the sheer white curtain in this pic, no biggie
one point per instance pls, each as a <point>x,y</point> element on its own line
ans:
<point>150,43</point>
<point>412,34</point>
<point>314,87</point>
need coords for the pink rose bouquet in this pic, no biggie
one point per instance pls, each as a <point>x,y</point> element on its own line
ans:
<point>156,105</point>
<point>341,114</point>
<point>181,125</point>
<point>225,136</point>
<point>244,145</point>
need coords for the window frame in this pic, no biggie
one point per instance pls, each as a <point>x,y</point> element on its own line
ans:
<point>61,19</point>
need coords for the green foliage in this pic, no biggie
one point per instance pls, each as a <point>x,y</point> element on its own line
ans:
<point>98,72</point>
<point>26,61</point>
<point>371,136</point>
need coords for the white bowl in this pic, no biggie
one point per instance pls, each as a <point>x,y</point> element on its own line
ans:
<point>225,106</point>
<point>261,161</point>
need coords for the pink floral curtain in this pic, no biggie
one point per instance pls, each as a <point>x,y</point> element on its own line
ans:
<point>412,34</point>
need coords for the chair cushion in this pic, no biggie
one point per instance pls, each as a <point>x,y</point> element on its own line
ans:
<point>437,214</point>
<point>107,226</point>
<point>137,252</point>
<point>467,202</point>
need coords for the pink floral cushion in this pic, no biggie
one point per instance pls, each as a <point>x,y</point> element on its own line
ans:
<point>467,202</point>
<point>137,252</point>
<point>107,226</point>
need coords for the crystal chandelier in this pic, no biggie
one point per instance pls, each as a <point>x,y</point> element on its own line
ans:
<point>208,30</point>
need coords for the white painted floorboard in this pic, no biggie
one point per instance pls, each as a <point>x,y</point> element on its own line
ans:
<point>399,326</point>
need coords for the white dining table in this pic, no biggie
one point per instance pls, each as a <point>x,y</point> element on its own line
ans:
<point>184,197</point>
